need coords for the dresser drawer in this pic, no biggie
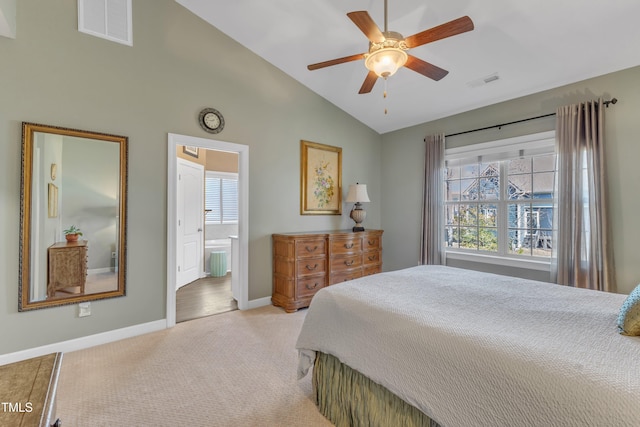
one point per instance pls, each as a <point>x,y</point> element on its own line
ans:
<point>345,276</point>
<point>370,258</point>
<point>311,266</point>
<point>372,243</point>
<point>346,262</point>
<point>346,246</point>
<point>310,285</point>
<point>374,269</point>
<point>310,248</point>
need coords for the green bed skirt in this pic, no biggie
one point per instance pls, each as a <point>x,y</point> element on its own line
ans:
<point>348,398</point>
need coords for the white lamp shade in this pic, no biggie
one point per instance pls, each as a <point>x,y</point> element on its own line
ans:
<point>357,193</point>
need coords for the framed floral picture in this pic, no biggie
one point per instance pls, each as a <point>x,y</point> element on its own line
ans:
<point>320,179</point>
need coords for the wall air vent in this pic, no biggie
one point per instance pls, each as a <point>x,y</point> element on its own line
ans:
<point>484,80</point>
<point>108,19</point>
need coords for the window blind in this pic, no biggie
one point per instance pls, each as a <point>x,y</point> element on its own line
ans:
<point>221,198</point>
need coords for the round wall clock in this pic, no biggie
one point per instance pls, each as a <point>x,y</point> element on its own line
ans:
<point>211,120</point>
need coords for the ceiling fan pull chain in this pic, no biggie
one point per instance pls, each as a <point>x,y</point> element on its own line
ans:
<point>384,94</point>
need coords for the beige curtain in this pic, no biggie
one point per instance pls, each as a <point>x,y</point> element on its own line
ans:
<point>432,211</point>
<point>582,254</point>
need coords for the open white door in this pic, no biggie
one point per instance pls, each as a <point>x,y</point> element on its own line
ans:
<point>190,222</point>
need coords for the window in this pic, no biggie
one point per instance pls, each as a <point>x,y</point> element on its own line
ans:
<point>499,198</point>
<point>221,198</point>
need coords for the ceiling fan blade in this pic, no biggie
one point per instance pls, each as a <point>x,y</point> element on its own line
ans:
<point>451,28</point>
<point>335,61</point>
<point>369,81</point>
<point>424,68</point>
<point>367,26</point>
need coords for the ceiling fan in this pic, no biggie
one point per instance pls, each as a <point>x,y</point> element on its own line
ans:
<point>387,49</point>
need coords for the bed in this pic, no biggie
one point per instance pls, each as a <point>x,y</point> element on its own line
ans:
<point>463,348</point>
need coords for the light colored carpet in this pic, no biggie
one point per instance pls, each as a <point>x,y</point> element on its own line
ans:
<point>231,369</point>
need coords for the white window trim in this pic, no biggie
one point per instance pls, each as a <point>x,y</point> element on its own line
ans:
<point>216,174</point>
<point>538,143</point>
<point>529,264</point>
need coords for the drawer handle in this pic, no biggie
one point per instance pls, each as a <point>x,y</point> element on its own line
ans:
<point>372,242</point>
<point>348,245</point>
<point>348,262</point>
<point>312,287</point>
<point>312,268</point>
<point>309,249</point>
<point>373,258</point>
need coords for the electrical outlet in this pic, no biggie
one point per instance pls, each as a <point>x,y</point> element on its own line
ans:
<point>84,309</point>
<point>113,255</point>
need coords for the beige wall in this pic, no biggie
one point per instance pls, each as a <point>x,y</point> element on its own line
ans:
<point>53,74</point>
<point>221,161</point>
<point>403,153</point>
<point>201,159</point>
<point>212,160</point>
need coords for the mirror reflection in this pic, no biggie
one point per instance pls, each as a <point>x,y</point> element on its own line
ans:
<point>73,216</point>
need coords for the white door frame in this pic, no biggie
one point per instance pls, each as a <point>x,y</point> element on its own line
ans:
<point>243,215</point>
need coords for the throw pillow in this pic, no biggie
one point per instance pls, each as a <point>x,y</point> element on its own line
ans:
<point>629,317</point>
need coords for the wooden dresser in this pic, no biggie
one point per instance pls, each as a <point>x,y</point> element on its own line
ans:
<point>28,392</point>
<point>304,263</point>
<point>67,266</point>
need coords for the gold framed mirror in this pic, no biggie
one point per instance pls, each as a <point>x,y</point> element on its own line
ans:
<point>74,182</point>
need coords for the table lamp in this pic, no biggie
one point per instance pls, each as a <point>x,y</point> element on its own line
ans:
<point>357,194</point>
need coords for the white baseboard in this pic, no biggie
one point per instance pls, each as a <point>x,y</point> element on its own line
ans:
<point>85,342</point>
<point>100,270</point>
<point>260,302</point>
<point>102,338</point>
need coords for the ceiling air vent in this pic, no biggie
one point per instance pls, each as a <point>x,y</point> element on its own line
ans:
<point>484,80</point>
<point>108,19</point>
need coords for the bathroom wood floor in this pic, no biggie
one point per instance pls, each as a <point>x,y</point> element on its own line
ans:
<point>204,297</point>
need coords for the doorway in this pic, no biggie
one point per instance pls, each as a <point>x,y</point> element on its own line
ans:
<point>206,226</point>
<point>240,258</point>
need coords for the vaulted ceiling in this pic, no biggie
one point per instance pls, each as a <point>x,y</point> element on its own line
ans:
<point>529,45</point>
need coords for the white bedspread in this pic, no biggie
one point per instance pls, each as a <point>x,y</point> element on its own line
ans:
<point>476,349</point>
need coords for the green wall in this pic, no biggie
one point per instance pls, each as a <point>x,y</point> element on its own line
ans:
<point>53,74</point>
<point>403,154</point>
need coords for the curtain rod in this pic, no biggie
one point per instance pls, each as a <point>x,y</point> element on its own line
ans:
<point>606,103</point>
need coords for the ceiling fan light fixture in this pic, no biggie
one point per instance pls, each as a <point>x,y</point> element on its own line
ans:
<point>386,61</point>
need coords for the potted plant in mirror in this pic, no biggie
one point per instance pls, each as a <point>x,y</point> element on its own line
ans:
<point>72,233</point>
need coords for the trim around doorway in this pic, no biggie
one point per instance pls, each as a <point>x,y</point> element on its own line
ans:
<point>243,211</point>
